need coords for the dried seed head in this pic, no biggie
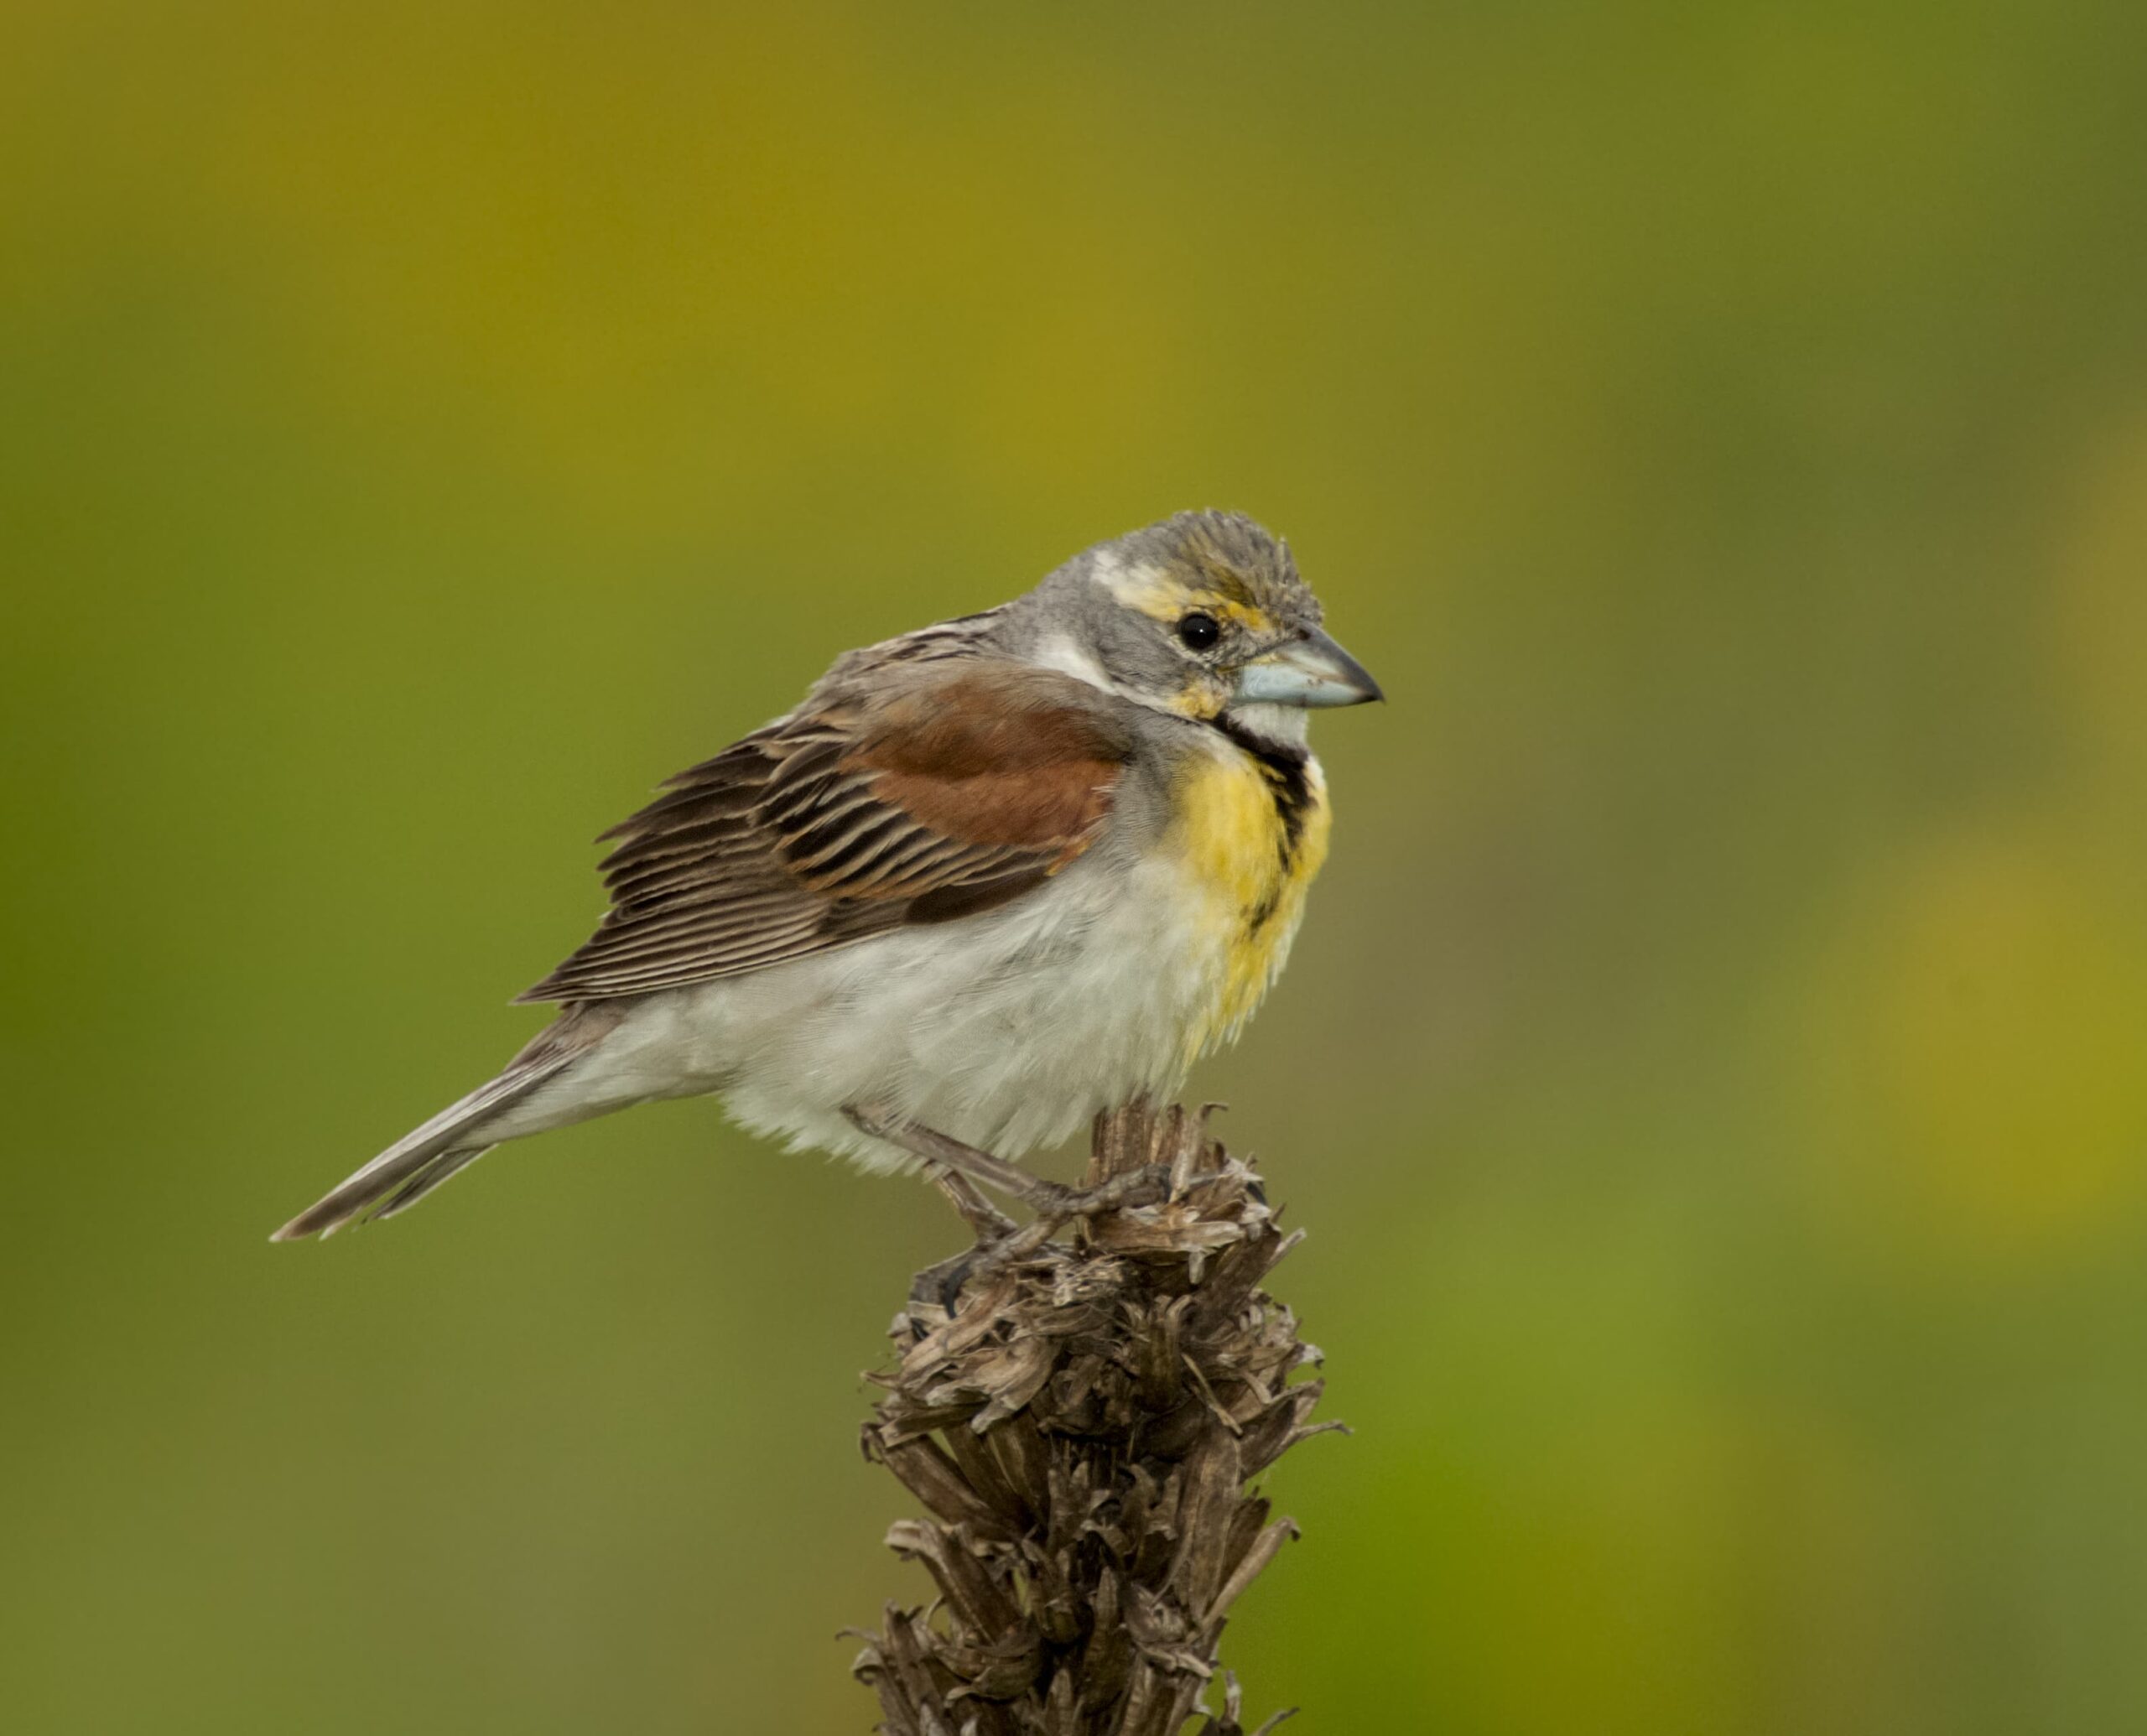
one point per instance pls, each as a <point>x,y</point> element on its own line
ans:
<point>1081,1431</point>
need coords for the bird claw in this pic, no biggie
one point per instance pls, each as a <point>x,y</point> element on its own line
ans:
<point>956,1169</point>
<point>941,1286</point>
<point>1056,1205</point>
<point>1145,1186</point>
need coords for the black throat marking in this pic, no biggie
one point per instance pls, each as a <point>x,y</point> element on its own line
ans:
<point>1284,768</point>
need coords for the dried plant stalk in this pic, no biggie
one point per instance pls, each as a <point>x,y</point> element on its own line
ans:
<point>1081,1431</point>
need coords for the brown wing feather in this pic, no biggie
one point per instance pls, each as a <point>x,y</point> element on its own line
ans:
<point>945,796</point>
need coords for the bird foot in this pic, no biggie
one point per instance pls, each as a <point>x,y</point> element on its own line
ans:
<point>1056,1206</point>
<point>1060,1205</point>
<point>944,1156</point>
<point>956,1169</point>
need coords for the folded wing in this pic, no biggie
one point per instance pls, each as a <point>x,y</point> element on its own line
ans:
<point>949,793</point>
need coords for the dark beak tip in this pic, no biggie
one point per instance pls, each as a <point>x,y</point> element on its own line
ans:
<point>1368,691</point>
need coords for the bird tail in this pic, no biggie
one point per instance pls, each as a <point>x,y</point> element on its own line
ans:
<point>454,1139</point>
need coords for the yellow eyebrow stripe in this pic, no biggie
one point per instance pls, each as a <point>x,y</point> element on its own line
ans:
<point>1162,597</point>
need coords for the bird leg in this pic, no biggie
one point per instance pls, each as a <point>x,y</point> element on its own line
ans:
<point>956,1167</point>
<point>964,1162</point>
<point>987,1219</point>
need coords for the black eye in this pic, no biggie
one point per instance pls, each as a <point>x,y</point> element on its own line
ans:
<point>1198,633</point>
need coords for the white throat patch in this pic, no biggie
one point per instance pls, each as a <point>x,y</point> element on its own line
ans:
<point>1288,724</point>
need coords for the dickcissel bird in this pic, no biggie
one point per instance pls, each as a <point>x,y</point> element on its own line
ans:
<point>989,878</point>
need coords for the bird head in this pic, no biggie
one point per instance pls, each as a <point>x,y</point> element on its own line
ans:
<point>1202,615</point>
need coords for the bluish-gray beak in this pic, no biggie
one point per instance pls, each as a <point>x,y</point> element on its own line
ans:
<point>1313,671</point>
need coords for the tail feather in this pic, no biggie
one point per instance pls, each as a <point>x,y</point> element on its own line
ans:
<point>426,1156</point>
<point>439,1170</point>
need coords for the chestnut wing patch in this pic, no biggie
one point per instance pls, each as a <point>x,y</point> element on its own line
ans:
<point>850,819</point>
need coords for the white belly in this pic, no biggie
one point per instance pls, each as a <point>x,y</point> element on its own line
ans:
<point>1007,1030</point>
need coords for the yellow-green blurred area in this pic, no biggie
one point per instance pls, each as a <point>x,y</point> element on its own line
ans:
<point>1714,1071</point>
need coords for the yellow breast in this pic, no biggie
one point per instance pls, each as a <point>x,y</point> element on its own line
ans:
<point>1251,836</point>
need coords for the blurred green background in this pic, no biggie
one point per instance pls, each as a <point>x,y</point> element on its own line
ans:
<point>1713,1071</point>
